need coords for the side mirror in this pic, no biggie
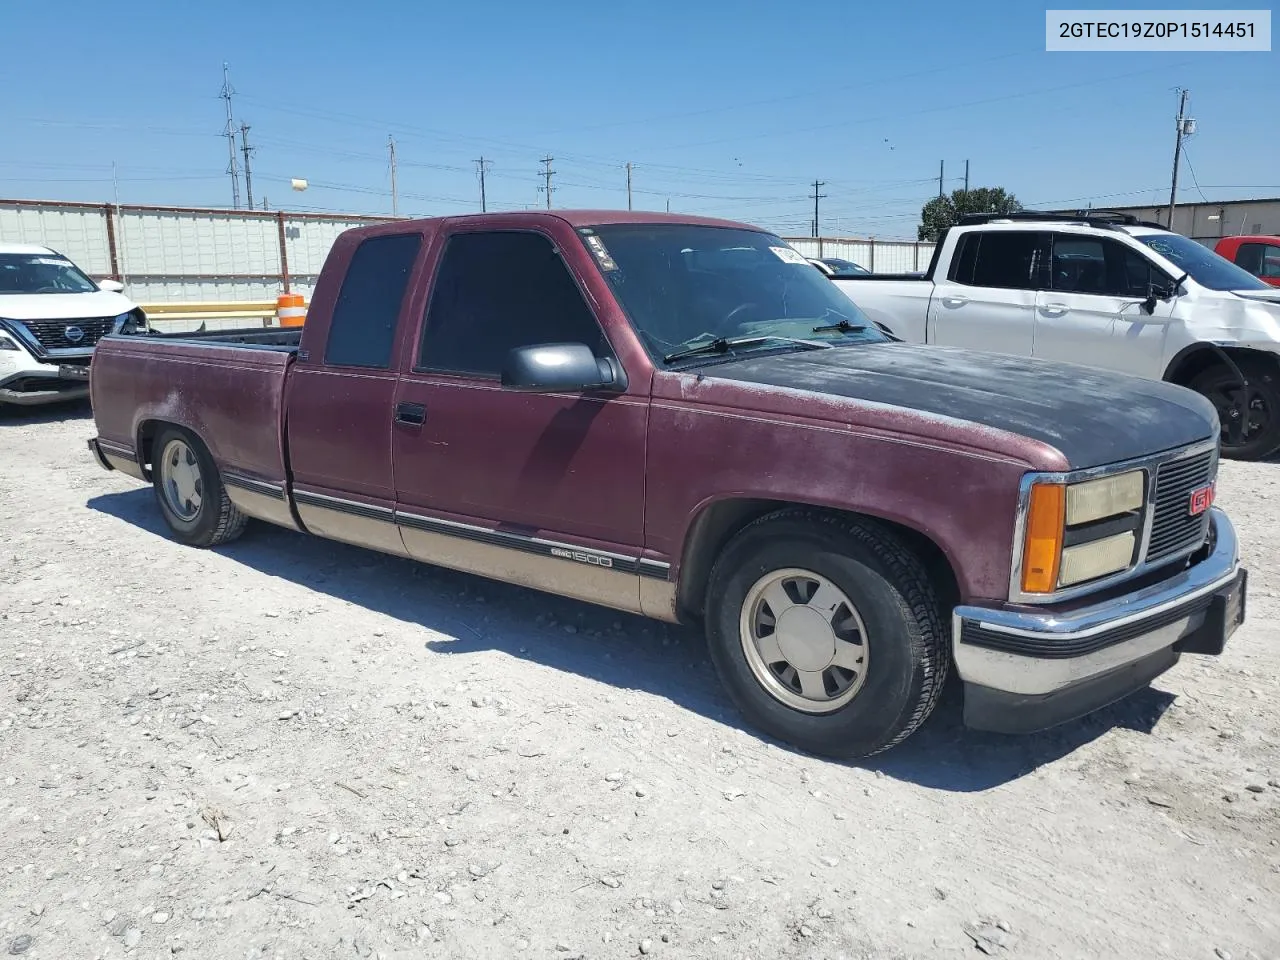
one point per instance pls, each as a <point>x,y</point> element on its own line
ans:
<point>111,286</point>
<point>558,368</point>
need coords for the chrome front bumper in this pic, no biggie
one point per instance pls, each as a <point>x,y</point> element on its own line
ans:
<point>1025,670</point>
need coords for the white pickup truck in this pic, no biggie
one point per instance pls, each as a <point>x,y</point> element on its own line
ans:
<point>1105,290</point>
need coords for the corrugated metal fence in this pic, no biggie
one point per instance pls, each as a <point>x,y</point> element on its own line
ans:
<point>183,254</point>
<point>168,254</point>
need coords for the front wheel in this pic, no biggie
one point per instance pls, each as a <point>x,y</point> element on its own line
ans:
<point>826,632</point>
<point>1248,433</point>
<point>190,492</point>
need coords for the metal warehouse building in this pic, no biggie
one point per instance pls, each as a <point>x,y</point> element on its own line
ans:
<point>1208,222</point>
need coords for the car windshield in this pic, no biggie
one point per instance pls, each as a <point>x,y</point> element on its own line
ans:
<point>1206,267</point>
<point>41,273</point>
<point>683,285</point>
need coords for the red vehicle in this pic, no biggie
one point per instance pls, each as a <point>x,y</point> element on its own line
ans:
<point>1259,255</point>
<point>679,417</point>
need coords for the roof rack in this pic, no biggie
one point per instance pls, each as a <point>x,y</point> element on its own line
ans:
<point>1106,219</point>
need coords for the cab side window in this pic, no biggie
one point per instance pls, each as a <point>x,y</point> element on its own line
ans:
<point>496,291</point>
<point>1007,259</point>
<point>1100,266</point>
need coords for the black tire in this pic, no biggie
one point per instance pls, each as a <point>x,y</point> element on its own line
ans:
<point>216,520</point>
<point>889,586</point>
<point>1220,387</point>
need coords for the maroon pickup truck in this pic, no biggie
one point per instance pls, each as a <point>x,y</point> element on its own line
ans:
<point>681,418</point>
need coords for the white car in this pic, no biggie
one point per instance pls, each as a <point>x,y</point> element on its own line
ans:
<point>51,316</point>
<point>1105,290</point>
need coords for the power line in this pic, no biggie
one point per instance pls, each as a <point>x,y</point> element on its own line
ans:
<point>227,92</point>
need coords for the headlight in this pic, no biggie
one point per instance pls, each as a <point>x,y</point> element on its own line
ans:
<point>1081,531</point>
<point>135,321</point>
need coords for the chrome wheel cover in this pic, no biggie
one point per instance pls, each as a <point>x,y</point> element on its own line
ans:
<point>804,640</point>
<point>180,480</point>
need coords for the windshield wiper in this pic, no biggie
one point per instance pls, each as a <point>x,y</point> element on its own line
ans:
<point>726,344</point>
<point>844,326</point>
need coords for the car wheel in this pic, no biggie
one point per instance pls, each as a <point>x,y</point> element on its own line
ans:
<point>192,499</point>
<point>826,632</point>
<point>1251,435</point>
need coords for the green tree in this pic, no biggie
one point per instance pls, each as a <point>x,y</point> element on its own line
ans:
<point>942,212</point>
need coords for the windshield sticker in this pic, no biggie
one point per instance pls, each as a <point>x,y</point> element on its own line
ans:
<point>601,252</point>
<point>48,262</point>
<point>788,255</point>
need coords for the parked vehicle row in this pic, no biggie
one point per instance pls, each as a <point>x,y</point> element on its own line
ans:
<point>51,316</point>
<point>682,418</point>
<point>1103,290</point>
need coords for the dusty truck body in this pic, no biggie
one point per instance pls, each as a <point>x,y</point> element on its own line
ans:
<point>683,419</point>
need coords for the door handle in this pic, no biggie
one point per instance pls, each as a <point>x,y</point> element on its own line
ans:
<point>1054,309</point>
<point>413,413</point>
<point>955,301</point>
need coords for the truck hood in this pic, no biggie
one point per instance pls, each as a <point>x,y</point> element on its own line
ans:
<point>63,306</point>
<point>1092,417</point>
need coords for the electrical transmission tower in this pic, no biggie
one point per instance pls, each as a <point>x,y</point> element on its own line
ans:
<point>233,167</point>
<point>482,166</point>
<point>547,175</point>
<point>248,175</point>
<point>816,197</point>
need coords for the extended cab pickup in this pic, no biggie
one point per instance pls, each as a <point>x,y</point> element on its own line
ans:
<point>1105,290</point>
<point>681,418</point>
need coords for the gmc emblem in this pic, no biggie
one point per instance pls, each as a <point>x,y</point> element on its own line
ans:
<point>1201,500</point>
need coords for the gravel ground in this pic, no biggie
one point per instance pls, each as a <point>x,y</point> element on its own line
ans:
<point>290,748</point>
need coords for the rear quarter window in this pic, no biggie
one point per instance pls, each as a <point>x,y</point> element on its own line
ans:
<point>363,329</point>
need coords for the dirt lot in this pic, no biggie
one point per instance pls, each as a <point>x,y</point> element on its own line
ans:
<point>290,748</point>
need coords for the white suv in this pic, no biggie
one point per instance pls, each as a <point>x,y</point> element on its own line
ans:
<point>51,316</point>
<point>1104,290</point>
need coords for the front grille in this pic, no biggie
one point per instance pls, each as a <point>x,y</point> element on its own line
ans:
<point>52,334</point>
<point>1174,529</point>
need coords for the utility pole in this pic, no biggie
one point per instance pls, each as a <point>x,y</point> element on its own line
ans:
<point>966,177</point>
<point>481,165</point>
<point>628,185</point>
<point>1177,154</point>
<point>395,196</point>
<point>942,169</point>
<point>230,133</point>
<point>668,204</point>
<point>816,197</point>
<point>547,174</point>
<point>248,175</point>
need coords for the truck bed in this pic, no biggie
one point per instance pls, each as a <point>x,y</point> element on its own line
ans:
<point>226,386</point>
<point>275,338</point>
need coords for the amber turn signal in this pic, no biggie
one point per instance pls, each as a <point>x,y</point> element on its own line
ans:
<point>1043,547</point>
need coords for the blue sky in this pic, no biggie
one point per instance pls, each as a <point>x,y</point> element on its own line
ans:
<point>730,109</point>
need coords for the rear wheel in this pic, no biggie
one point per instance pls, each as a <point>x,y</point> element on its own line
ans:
<point>826,632</point>
<point>1250,433</point>
<point>192,499</point>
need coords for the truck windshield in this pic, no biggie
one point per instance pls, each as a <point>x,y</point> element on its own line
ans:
<point>1206,267</point>
<point>683,285</point>
<point>41,273</point>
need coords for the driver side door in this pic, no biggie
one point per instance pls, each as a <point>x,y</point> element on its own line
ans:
<point>542,489</point>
